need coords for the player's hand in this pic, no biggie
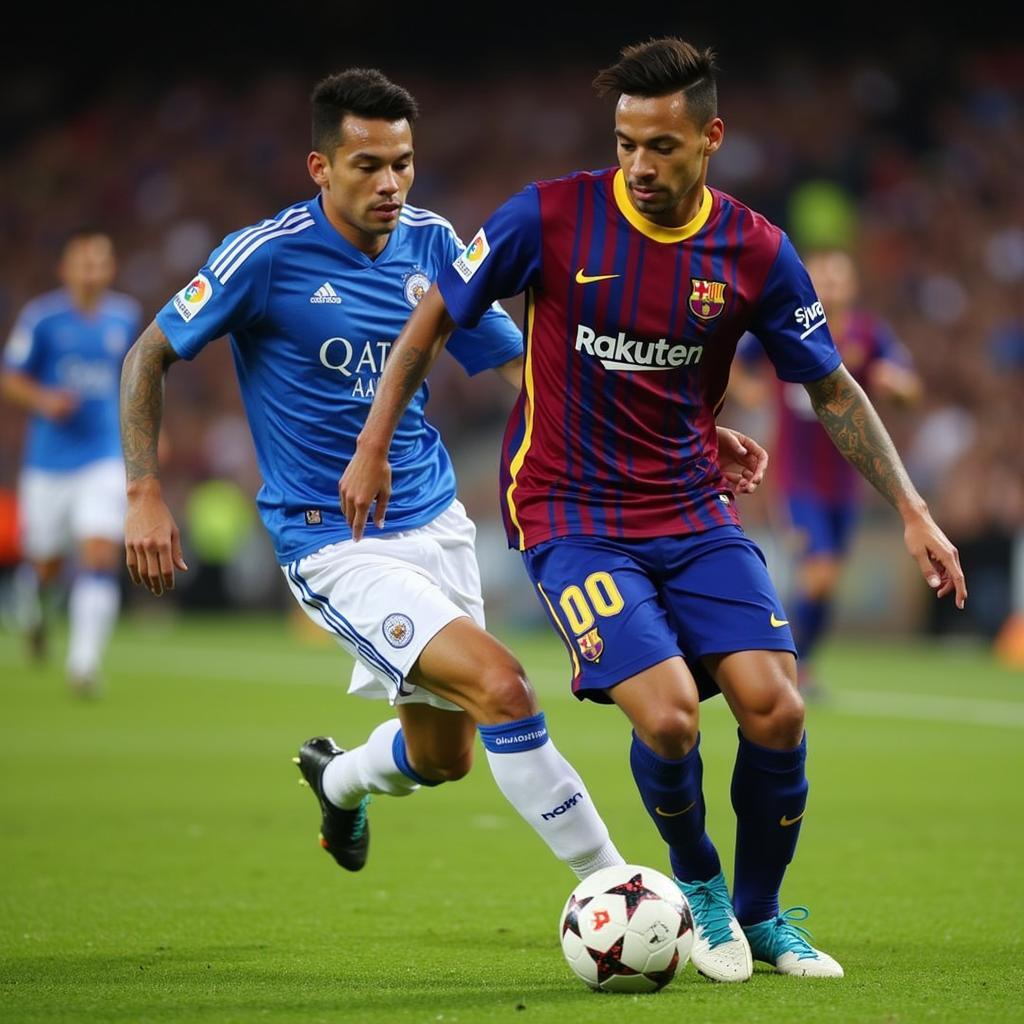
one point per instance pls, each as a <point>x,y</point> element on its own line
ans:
<point>742,459</point>
<point>152,543</point>
<point>58,404</point>
<point>936,556</point>
<point>366,480</point>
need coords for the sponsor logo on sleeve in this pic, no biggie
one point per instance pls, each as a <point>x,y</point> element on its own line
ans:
<point>472,257</point>
<point>810,318</point>
<point>193,297</point>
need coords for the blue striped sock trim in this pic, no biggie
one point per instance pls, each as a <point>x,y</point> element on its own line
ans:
<point>514,737</point>
<point>337,623</point>
<point>401,756</point>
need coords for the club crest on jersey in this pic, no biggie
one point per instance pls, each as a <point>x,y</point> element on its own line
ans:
<point>707,299</point>
<point>398,629</point>
<point>416,285</point>
<point>472,257</point>
<point>192,297</point>
<point>591,645</point>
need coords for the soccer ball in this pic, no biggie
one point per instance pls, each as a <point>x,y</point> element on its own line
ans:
<point>626,929</point>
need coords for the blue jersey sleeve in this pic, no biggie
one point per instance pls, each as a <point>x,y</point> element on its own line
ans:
<point>227,295</point>
<point>790,321</point>
<point>502,260</point>
<point>23,351</point>
<point>749,351</point>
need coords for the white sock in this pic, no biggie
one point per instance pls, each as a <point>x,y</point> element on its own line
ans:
<point>93,606</point>
<point>546,791</point>
<point>371,768</point>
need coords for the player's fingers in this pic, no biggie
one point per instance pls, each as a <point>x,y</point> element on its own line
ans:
<point>131,560</point>
<point>166,567</point>
<point>382,505</point>
<point>177,557</point>
<point>956,573</point>
<point>928,571</point>
<point>151,571</point>
<point>357,520</point>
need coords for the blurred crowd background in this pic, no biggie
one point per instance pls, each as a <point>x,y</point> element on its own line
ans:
<point>903,145</point>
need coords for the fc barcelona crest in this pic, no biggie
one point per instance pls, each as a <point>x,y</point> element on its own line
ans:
<point>707,299</point>
<point>591,645</point>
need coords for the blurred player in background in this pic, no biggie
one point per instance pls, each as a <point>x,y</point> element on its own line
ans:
<point>62,363</point>
<point>639,282</point>
<point>820,490</point>
<point>313,299</point>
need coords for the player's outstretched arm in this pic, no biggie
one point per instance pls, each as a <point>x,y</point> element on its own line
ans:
<point>367,478</point>
<point>857,431</point>
<point>151,539</point>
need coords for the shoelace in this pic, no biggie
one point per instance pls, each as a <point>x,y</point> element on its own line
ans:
<point>712,912</point>
<point>788,936</point>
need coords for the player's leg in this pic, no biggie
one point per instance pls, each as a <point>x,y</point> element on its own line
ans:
<point>44,507</point>
<point>604,603</point>
<point>467,666</point>
<point>97,524</point>
<point>730,617</point>
<point>432,651</point>
<point>824,532</point>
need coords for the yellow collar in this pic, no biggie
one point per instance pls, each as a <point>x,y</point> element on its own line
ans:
<point>656,231</point>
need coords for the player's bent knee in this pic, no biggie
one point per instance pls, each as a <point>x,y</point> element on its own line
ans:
<point>670,732</point>
<point>506,695</point>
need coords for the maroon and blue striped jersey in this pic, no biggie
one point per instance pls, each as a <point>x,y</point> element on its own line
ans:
<point>630,329</point>
<point>805,461</point>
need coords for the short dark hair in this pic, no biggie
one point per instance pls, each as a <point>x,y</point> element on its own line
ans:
<point>364,92</point>
<point>663,66</point>
<point>81,233</point>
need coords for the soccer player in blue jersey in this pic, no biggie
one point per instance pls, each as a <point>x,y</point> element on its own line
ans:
<point>639,282</point>
<point>313,299</point>
<point>62,363</point>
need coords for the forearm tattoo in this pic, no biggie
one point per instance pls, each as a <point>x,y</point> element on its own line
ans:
<point>142,400</point>
<point>857,431</point>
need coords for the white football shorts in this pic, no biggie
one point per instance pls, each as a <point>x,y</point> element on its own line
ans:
<point>57,510</point>
<point>384,599</point>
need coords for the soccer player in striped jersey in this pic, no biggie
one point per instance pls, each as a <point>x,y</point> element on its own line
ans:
<point>313,300</point>
<point>62,364</point>
<point>639,282</point>
<point>819,490</point>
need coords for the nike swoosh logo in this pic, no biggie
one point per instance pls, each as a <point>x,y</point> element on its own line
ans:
<point>786,822</point>
<point>582,278</point>
<point>674,814</point>
<point>777,623</point>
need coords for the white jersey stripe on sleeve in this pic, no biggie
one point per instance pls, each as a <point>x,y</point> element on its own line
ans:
<point>249,234</point>
<point>293,229</point>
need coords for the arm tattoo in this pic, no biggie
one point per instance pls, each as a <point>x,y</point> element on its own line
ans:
<point>142,401</point>
<point>857,431</point>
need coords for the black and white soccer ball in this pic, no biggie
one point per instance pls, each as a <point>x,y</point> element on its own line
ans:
<point>626,929</point>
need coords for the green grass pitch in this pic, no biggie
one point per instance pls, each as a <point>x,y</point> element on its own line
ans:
<point>158,861</point>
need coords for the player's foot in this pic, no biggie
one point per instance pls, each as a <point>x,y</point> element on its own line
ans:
<point>84,686</point>
<point>720,949</point>
<point>781,942</point>
<point>345,835</point>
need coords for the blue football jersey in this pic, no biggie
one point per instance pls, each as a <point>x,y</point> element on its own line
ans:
<point>311,321</point>
<point>61,347</point>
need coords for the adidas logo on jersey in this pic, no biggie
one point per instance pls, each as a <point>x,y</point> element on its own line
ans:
<point>325,293</point>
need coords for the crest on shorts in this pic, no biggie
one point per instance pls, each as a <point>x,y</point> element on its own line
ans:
<point>591,645</point>
<point>707,299</point>
<point>398,629</point>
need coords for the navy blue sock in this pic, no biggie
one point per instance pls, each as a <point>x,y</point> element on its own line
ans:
<point>769,794</point>
<point>671,792</point>
<point>811,620</point>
